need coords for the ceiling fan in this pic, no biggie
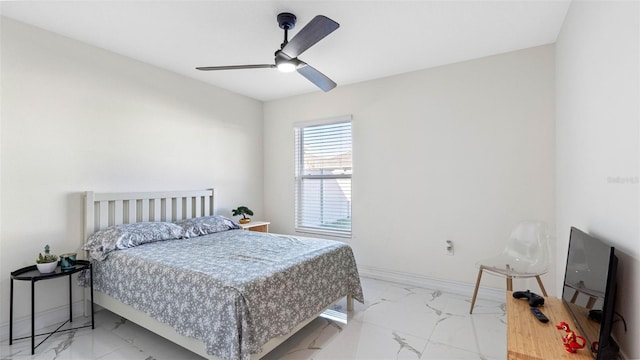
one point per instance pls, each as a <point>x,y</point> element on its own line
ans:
<point>286,58</point>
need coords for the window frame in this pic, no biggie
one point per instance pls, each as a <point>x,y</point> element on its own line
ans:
<point>299,178</point>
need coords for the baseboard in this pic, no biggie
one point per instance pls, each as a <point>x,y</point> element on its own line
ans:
<point>44,319</point>
<point>454,287</point>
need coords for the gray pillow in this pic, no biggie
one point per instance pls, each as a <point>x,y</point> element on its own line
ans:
<point>113,238</point>
<point>206,225</point>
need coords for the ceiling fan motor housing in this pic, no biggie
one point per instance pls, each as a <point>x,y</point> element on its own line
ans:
<point>286,21</point>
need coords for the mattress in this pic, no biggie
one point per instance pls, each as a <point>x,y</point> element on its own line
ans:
<point>234,290</point>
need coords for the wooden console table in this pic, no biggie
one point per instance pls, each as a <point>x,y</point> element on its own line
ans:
<point>530,339</point>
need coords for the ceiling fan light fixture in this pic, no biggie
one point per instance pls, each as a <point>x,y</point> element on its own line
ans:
<point>286,66</point>
<point>285,63</point>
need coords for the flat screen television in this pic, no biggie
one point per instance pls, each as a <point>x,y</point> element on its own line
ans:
<point>589,292</point>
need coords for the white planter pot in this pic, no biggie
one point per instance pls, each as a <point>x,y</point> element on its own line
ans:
<point>47,267</point>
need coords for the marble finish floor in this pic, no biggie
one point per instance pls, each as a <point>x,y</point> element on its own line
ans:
<point>396,322</point>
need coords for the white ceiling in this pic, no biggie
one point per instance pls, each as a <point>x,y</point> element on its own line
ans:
<point>375,38</point>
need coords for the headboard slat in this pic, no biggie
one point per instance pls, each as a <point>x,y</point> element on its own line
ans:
<point>178,212</point>
<point>206,206</point>
<point>188,208</point>
<point>103,207</point>
<point>198,207</point>
<point>157,212</point>
<point>144,203</point>
<point>118,210</point>
<point>162,208</point>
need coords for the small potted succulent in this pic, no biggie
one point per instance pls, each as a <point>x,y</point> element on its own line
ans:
<point>244,211</point>
<point>48,262</point>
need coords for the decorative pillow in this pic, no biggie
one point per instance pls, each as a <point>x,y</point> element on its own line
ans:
<point>113,238</point>
<point>206,225</point>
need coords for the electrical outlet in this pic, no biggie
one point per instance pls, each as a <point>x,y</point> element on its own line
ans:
<point>449,248</point>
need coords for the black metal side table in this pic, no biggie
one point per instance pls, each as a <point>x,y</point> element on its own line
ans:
<point>31,273</point>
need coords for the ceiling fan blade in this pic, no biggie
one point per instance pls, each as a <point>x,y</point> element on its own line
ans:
<point>316,77</point>
<point>319,27</point>
<point>236,67</point>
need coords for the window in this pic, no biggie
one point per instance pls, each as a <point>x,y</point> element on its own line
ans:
<point>323,177</point>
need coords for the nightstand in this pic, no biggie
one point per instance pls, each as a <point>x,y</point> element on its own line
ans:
<point>31,274</point>
<point>261,226</point>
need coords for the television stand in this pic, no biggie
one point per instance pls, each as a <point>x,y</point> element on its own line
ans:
<point>530,339</point>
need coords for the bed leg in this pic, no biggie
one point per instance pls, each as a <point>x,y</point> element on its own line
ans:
<point>349,302</point>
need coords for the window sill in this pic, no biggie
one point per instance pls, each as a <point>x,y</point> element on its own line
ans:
<point>323,232</point>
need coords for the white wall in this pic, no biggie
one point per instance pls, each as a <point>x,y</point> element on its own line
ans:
<point>77,118</point>
<point>460,152</point>
<point>598,146</point>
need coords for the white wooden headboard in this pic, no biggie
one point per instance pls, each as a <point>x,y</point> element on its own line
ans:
<point>106,209</point>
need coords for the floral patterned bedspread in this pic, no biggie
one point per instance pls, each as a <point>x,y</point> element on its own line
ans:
<point>235,289</point>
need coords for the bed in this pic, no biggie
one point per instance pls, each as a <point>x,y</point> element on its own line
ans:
<point>224,293</point>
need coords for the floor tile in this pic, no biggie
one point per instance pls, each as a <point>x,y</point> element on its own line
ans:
<point>396,322</point>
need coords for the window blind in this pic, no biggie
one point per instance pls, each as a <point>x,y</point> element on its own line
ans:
<point>323,178</point>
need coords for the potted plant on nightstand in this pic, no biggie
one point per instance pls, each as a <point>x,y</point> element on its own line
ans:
<point>48,262</point>
<point>244,211</point>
